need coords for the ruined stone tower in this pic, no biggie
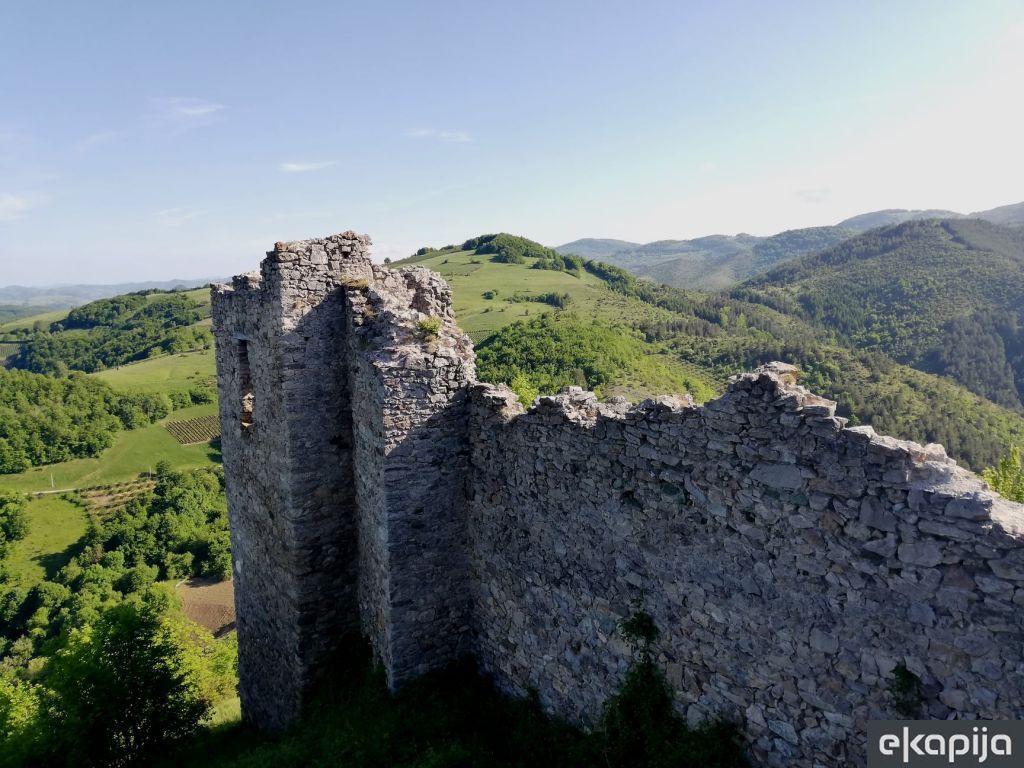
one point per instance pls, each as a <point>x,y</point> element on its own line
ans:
<point>790,562</point>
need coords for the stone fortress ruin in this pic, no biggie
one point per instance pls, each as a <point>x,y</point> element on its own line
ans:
<point>794,566</point>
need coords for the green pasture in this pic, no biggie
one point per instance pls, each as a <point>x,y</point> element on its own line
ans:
<point>45,318</point>
<point>480,317</point>
<point>133,452</point>
<point>162,374</point>
<point>55,527</point>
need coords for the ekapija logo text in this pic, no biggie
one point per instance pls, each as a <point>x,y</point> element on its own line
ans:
<point>925,743</point>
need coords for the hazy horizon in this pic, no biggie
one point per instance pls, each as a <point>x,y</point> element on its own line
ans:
<point>150,142</point>
<point>257,257</point>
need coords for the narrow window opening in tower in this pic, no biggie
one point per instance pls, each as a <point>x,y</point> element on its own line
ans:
<point>245,383</point>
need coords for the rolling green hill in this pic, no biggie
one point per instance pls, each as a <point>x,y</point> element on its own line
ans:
<point>165,373</point>
<point>944,296</point>
<point>709,337</point>
<point>490,295</point>
<point>109,332</point>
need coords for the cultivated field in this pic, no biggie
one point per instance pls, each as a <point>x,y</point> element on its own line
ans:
<point>105,500</point>
<point>199,430</point>
<point>209,603</point>
<point>7,349</point>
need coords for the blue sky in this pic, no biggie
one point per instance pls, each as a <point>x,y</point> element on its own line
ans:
<point>147,140</point>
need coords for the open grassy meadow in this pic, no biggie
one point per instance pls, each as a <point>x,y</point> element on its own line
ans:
<point>132,453</point>
<point>471,276</point>
<point>45,318</point>
<point>162,374</point>
<point>55,527</point>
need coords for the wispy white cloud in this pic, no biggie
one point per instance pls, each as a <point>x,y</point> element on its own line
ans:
<point>175,217</point>
<point>303,167</point>
<point>458,137</point>
<point>818,195</point>
<point>14,207</point>
<point>181,112</point>
<point>95,139</point>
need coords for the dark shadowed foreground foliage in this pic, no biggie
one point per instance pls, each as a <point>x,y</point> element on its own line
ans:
<point>454,719</point>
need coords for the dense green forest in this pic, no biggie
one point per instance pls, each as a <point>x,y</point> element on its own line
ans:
<point>111,332</point>
<point>46,419</point>
<point>97,666</point>
<point>945,297</point>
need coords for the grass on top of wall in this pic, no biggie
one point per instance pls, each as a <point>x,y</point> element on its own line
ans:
<point>454,719</point>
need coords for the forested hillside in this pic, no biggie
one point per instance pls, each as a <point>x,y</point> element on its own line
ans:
<point>708,263</point>
<point>110,332</point>
<point>945,297</point>
<point>716,262</point>
<point>45,419</point>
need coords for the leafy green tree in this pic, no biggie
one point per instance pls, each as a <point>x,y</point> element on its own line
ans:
<point>20,707</point>
<point>1007,477</point>
<point>125,689</point>
<point>13,519</point>
<point>524,389</point>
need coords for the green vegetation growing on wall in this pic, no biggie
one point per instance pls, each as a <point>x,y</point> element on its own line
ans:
<point>1007,476</point>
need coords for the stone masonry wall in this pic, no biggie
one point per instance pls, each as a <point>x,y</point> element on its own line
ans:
<point>790,563</point>
<point>292,519</point>
<point>409,394</point>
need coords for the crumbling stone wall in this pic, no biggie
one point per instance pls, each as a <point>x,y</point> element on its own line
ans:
<point>790,563</point>
<point>292,519</point>
<point>409,367</point>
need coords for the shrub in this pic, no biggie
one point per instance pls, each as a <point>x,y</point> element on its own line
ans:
<point>429,327</point>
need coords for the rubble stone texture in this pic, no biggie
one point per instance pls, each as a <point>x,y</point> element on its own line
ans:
<point>792,564</point>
